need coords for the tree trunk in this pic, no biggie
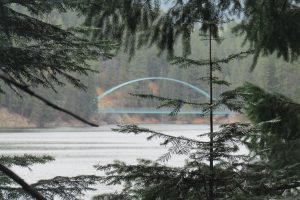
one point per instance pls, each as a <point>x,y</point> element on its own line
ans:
<point>211,123</point>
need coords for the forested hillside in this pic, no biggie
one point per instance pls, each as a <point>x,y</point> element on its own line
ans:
<point>272,74</point>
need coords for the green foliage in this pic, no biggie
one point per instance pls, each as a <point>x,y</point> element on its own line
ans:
<point>272,27</point>
<point>279,119</point>
<point>175,104</point>
<point>151,180</point>
<point>269,26</point>
<point>185,62</point>
<point>69,188</point>
<point>22,161</point>
<point>115,196</point>
<point>121,20</point>
<point>25,160</point>
<point>141,23</point>
<point>212,168</point>
<point>218,169</point>
<point>271,171</point>
<point>35,53</point>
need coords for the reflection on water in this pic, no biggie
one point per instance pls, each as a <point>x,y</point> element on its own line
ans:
<point>77,150</point>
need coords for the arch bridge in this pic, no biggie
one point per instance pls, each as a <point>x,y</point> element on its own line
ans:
<point>153,111</point>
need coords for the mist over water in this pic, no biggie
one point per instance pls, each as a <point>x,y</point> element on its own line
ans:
<point>77,150</point>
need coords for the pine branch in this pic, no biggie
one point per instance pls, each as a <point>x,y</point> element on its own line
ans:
<point>263,179</point>
<point>286,186</point>
<point>233,100</point>
<point>156,181</point>
<point>52,105</point>
<point>115,196</point>
<point>186,62</point>
<point>47,64</point>
<point>38,30</point>
<point>68,188</point>
<point>177,104</point>
<point>24,160</point>
<point>145,170</point>
<point>179,145</point>
<point>237,56</point>
<point>216,81</point>
<point>29,189</point>
<point>154,134</point>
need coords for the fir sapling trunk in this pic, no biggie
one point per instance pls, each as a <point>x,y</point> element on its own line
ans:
<point>211,123</point>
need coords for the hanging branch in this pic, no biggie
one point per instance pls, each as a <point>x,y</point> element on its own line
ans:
<point>44,100</point>
<point>175,104</point>
<point>29,189</point>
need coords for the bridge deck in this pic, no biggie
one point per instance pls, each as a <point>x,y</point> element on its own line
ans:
<point>158,111</point>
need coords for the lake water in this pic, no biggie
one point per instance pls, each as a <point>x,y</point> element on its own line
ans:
<point>77,150</point>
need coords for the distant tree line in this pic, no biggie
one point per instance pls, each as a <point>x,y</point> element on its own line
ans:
<point>270,74</point>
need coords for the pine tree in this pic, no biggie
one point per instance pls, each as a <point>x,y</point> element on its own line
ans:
<point>278,143</point>
<point>214,169</point>
<point>198,179</point>
<point>212,164</point>
<point>37,54</point>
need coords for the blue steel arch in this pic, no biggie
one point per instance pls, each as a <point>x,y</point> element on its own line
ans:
<point>107,92</point>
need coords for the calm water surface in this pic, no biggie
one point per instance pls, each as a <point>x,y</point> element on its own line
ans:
<point>77,150</point>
